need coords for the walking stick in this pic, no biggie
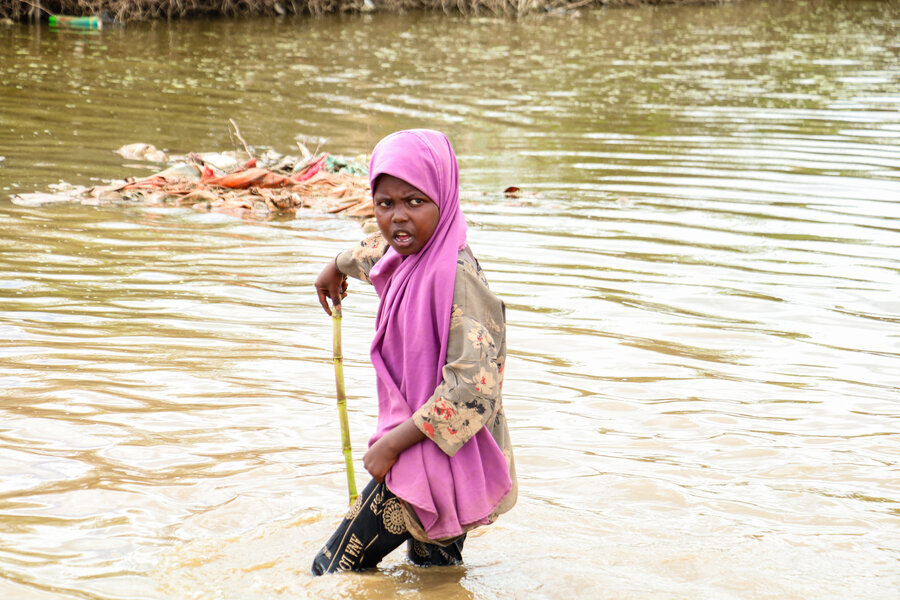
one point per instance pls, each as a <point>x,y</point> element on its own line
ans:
<point>342,402</point>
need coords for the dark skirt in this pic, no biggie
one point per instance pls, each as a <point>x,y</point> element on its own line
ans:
<point>373,528</point>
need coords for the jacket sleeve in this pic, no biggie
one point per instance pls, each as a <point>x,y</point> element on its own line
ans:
<point>359,260</point>
<point>468,397</point>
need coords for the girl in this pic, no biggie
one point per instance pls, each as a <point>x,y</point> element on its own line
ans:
<point>440,459</point>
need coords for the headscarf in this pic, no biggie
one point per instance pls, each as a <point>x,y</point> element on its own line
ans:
<point>449,494</point>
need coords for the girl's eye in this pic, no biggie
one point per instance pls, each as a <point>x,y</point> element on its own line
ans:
<point>385,204</point>
<point>416,202</point>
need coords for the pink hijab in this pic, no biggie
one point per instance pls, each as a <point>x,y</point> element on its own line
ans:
<point>449,494</point>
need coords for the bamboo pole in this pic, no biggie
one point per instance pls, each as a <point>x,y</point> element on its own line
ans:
<point>342,402</point>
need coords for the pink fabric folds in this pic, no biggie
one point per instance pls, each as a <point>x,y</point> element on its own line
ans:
<point>449,494</point>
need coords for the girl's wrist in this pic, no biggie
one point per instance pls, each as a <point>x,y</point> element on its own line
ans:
<point>336,267</point>
<point>402,437</point>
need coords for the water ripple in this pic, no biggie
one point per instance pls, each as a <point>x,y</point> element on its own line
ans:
<point>700,273</point>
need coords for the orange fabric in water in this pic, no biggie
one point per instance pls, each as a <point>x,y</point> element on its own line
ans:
<point>253,177</point>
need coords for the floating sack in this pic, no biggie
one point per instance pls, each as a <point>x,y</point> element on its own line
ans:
<point>246,178</point>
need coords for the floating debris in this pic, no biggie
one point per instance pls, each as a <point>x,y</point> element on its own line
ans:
<point>76,22</point>
<point>142,152</point>
<point>222,183</point>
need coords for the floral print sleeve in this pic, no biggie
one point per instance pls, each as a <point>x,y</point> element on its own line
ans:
<point>468,397</point>
<point>359,260</point>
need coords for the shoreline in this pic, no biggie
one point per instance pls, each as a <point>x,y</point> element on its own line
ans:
<point>124,11</point>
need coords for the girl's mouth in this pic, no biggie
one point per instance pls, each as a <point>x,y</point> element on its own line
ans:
<point>403,239</point>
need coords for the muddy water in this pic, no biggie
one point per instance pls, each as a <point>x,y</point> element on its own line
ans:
<point>702,277</point>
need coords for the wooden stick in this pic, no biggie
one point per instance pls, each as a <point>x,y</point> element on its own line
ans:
<point>342,402</point>
<point>237,132</point>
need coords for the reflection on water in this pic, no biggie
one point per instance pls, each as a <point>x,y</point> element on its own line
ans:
<point>701,275</point>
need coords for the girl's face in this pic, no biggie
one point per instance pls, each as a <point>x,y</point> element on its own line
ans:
<point>406,217</point>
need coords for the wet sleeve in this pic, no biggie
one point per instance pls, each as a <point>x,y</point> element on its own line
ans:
<point>468,396</point>
<point>359,260</point>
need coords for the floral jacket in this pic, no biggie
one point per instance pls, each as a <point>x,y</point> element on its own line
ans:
<point>469,396</point>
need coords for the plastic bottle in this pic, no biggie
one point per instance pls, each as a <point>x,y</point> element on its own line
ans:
<point>76,22</point>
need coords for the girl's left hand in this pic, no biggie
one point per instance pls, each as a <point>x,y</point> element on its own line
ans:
<point>384,453</point>
<point>379,459</point>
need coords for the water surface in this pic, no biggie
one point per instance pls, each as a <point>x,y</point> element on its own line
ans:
<point>702,277</point>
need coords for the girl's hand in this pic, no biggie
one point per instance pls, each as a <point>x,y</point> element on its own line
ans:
<point>379,459</point>
<point>331,283</point>
<point>384,453</point>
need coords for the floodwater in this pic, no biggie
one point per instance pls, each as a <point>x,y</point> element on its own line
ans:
<point>702,274</point>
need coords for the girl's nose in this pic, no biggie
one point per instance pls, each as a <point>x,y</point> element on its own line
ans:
<point>398,214</point>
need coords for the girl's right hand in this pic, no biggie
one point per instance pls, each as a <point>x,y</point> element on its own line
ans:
<point>331,283</point>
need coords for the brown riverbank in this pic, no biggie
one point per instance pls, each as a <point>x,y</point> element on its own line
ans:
<point>137,10</point>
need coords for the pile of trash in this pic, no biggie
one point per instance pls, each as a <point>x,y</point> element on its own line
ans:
<point>262,187</point>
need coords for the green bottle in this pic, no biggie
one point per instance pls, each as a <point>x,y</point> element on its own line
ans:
<point>76,22</point>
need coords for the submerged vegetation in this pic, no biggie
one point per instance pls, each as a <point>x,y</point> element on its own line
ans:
<point>136,10</point>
